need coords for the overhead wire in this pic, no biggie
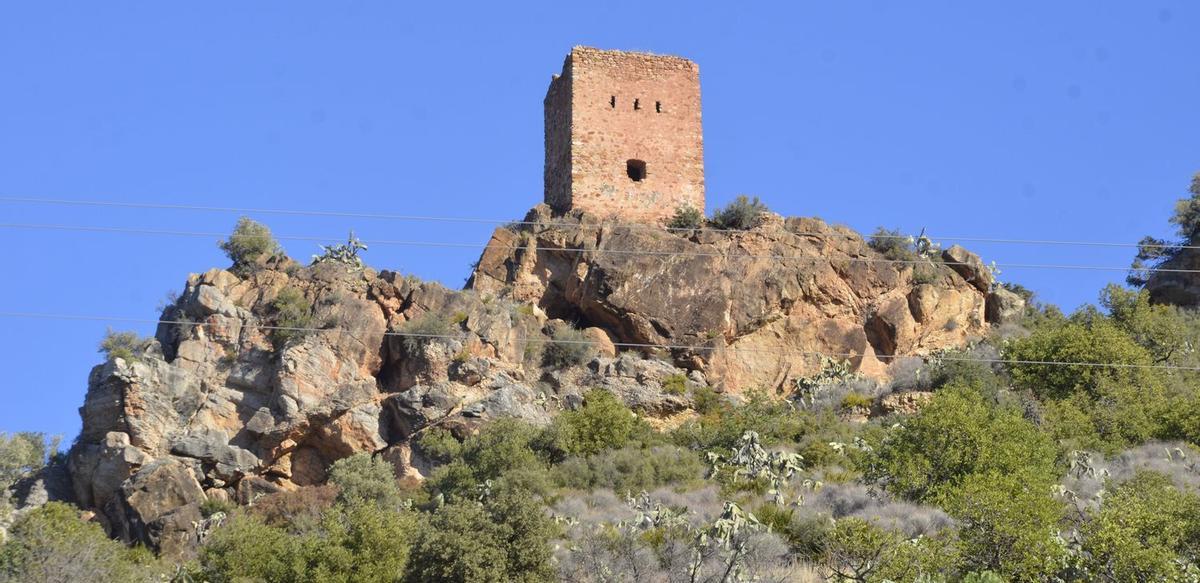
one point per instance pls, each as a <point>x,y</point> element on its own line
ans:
<point>635,252</point>
<point>629,345</point>
<point>560,224</point>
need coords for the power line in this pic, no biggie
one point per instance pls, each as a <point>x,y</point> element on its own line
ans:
<point>632,345</point>
<point>426,218</point>
<point>459,245</point>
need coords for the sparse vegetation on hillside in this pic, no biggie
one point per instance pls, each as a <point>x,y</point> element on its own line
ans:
<point>125,345</point>
<point>739,215</point>
<point>250,243</point>
<point>292,315</point>
<point>687,217</point>
<point>569,347</point>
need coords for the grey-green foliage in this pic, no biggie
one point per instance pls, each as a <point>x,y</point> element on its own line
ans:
<point>22,454</point>
<point>428,328</point>
<point>504,538</point>
<point>52,543</point>
<point>739,215</point>
<point>126,345</point>
<point>687,217</point>
<point>893,244</point>
<point>567,347</point>
<point>250,243</point>
<point>292,315</point>
<point>630,469</point>
<point>363,478</point>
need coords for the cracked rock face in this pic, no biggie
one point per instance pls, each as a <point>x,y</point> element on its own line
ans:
<point>222,407</point>
<point>760,306</point>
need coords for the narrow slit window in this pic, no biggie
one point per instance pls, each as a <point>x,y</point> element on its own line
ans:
<point>657,107</point>
<point>636,170</point>
<point>612,102</point>
<point>637,103</point>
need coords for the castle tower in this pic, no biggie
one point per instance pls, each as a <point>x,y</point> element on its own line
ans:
<point>623,137</point>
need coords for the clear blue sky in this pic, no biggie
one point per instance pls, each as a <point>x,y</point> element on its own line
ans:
<point>1064,120</point>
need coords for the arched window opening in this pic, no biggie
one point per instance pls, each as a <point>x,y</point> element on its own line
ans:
<point>636,170</point>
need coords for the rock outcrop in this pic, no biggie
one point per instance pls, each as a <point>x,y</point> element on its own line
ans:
<point>748,309</point>
<point>229,402</point>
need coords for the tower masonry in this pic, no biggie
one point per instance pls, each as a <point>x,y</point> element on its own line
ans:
<point>623,137</point>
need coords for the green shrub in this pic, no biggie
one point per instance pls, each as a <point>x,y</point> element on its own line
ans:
<point>439,445</point>
<point>925,273</point>
<point>363,478</point>
<point>568,347</point>
<point>739,215</point>
<point>505,452</point>
<point>52,543</point>
<point>1008,523</point>
<point>687,217</point>
<point>630,469</point>
<point>602,423</point>
<point>675,384</point>
<point>507,538</point>
<point>352,542</point>
<point>1096,341</point>
<point>856,400</point>
<point>706,400</point>
<point>212,506</point>
<point>955,435</point>
<point>1142,530</point>
<point>426,329</point>
<point>292,313</point>
<point>892,244</point>
<point>249,244</point>
<point>22,454</point>
<point>124,345</point>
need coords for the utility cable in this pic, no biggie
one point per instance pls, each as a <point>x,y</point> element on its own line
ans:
<point>387,242</point>
<point>632,345</point>
<point>422,218</point>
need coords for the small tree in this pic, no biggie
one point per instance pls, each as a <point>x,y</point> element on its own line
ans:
<point>125,345</point>
<point>250,243</point>
<point>1153,252</point>
<point>739,215</point>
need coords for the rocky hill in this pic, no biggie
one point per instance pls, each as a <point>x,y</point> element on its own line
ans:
<point>263,378</point>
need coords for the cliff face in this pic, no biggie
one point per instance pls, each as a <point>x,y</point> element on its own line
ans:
<point>756,308</point>
<point>221,406</point>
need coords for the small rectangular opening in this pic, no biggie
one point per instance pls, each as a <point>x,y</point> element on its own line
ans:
<point>636,170</point>
<point>637,103</point>
<point>612,102</point>
<point>657,107</point>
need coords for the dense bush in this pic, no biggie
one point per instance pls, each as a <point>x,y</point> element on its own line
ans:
<point>602,423</point>
<point>630,469</point>
<point>955,435</point>
<point>506,538</point>
<point>364,478</point>
<point>739,215</point>
<point>249,244</point>
<point>351,543</point>
<point>52,543</point>
<point>1153,251</point>
<point>1142,530</point>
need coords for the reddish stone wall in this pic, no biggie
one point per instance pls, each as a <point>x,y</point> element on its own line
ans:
<point>593,129</point>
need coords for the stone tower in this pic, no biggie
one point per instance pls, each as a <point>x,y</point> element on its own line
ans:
<point>623,138</point>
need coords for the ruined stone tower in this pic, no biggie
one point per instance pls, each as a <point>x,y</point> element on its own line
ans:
<point>623,136</point>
